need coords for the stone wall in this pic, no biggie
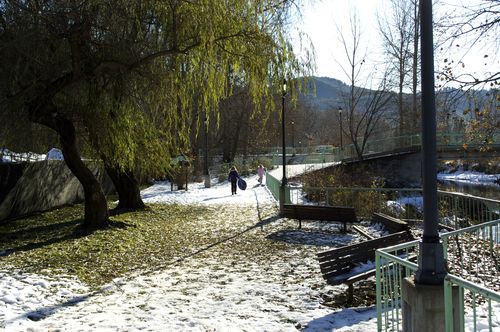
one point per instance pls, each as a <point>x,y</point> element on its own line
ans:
<point>26,188</point>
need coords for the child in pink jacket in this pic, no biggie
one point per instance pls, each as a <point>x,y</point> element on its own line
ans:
<point>261,171</point>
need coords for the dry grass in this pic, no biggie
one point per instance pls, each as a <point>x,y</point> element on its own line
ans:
<point>55,242</point>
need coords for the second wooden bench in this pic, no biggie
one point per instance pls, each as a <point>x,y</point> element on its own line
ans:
<point>336,264</point>
<point>300,212</point>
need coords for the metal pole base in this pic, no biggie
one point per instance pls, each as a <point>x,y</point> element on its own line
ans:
<point>431,265</point>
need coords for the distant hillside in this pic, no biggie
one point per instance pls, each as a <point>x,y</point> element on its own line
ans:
<point>328,93</point>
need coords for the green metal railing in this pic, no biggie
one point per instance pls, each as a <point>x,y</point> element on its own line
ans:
<point>274,185</point>
<point>472,253</point>
<point>455,209</point>
<point>320,154</point>
<point>473,278</point>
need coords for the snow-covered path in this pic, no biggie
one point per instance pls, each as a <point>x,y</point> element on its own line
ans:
<point>210,290</point>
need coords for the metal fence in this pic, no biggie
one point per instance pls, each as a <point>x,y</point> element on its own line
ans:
<point>14,157</point>
<point>456,210</point>
<point>319,154</point>
<point>472,252</point>
<point>273,185</point>
<point>473,256</point>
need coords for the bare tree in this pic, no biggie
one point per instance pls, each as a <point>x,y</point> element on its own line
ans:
<point>400,35</point>
<point>471,27</point>
<point>365,107</point>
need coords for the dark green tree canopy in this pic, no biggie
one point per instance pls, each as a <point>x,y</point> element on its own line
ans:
<point>121,77</point>
<point>121,69</point>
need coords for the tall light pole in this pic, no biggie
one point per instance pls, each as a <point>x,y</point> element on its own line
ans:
<point>205,167</point>
<point>431,268</point>
<point>293,137</point>
<point>340,121</point>
<point>283,179</point>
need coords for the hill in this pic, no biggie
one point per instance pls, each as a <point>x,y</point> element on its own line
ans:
<point>328,93</point>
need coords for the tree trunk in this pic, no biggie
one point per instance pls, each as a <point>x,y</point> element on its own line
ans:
<point>416,18</point>
<point>96,206</point>
<point>400,98</point>
<point>127,187</point>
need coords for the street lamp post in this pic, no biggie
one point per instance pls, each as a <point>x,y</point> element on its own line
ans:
<point>431,267</point>
<point>340,117</point>
<point>284,181</point>
<point>293,137</point>
<point>205,166</point>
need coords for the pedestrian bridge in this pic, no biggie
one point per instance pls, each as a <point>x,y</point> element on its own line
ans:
<point>449,146</point>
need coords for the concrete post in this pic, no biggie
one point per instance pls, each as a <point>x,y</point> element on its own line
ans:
<point>423,307</point>
<point>282,198</point>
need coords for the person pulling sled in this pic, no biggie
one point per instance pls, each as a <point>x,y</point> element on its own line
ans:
<point>233,178</point>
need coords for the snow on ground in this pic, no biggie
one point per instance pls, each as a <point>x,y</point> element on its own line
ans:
<point>469,177</point>
<point>220,193</point>
<point>206,291</point>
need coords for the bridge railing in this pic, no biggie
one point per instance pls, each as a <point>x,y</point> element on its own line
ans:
<point>456,210</point>
<point>471,289</point>
<point>445,141</point>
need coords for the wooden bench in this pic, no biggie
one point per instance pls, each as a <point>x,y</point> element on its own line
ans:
<point>392,224</point>
<point>315,212</point>
<point>336,264</point>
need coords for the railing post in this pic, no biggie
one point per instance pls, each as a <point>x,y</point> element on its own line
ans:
<point>448,307</point>
<point>378,291</point>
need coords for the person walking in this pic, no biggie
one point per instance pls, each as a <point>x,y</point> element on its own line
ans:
<point>233,178</point>
<point>261,171</point>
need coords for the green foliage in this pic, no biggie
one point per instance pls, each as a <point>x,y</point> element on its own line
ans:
<point>129,74</point>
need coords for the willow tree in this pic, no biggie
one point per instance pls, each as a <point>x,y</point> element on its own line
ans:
<point>122,76</point>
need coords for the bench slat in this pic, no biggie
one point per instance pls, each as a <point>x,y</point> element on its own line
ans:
<point>346,260</point>
<point>375,243</point>
<point>391,223</point>
<point>328,213</point>
<point>301,212</point>
<point>341,260</point>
